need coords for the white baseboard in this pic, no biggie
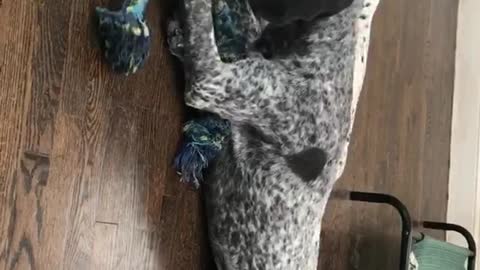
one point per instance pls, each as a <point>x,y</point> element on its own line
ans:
<point>464,185</point>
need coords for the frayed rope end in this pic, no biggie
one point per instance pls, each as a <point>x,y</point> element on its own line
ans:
<point>203,141</point>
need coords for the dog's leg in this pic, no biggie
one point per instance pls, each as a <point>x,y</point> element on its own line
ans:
<point>232,90</point>
<point>200,46</point>
<point>251,24</point>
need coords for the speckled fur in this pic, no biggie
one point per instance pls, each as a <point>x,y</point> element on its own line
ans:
<point>261,215</point>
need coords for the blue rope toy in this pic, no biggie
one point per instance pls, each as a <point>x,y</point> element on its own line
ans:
<point>125,36</point>
<point>205,137</point>
<point>203,140</point>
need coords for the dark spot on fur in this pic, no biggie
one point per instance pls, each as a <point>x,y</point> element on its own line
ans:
<point>308,76</point>
<point>215,73</point>
<point>256,136</point>
<point>277,200</point>
<point>307,164</point>
<point>220,260</point>
<point>235,239</point>
<point>203,98</point>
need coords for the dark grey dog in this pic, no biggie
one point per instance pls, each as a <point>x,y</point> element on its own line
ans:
<point>291,120</point>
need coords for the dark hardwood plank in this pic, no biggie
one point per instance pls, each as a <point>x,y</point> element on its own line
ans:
<point>104,246</point>
<point>189,249</point>
<point>401,136</point>
<point>21,54</point>
<point>66,170</point>
<point>439,82</point>
<point>143,254</point>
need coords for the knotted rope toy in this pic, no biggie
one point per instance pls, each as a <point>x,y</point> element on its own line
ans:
<point>205,137</point>
<point>203,140</point>
<point>125,36</point>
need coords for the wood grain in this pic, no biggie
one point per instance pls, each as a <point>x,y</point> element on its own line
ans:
<point>104,246</point>
<point>86,180</point>
<point>401,137</point>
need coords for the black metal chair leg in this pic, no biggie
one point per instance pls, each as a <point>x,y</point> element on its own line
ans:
<point>461,230</point>
<point>404,214</point>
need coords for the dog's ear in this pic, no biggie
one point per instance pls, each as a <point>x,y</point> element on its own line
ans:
<point>309,9</point>
<point>273,11</point>
<point>282,12</point>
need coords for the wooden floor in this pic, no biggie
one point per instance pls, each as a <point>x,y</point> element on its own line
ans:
<point>85,155</point>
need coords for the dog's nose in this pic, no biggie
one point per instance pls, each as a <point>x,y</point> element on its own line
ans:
<point>307,164</point>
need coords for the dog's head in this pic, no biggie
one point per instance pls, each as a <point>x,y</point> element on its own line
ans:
<point>281,12</point>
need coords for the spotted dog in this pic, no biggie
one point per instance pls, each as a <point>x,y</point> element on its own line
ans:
<point>291,117</point>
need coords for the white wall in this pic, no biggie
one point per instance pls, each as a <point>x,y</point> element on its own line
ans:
<point>464,189</point>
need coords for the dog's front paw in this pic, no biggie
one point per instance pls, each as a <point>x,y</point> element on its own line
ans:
<point>196,98</point>
<point>192,99</point>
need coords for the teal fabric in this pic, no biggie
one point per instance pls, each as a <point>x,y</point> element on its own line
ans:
<point>137,7</point>
<point>433,254</point>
